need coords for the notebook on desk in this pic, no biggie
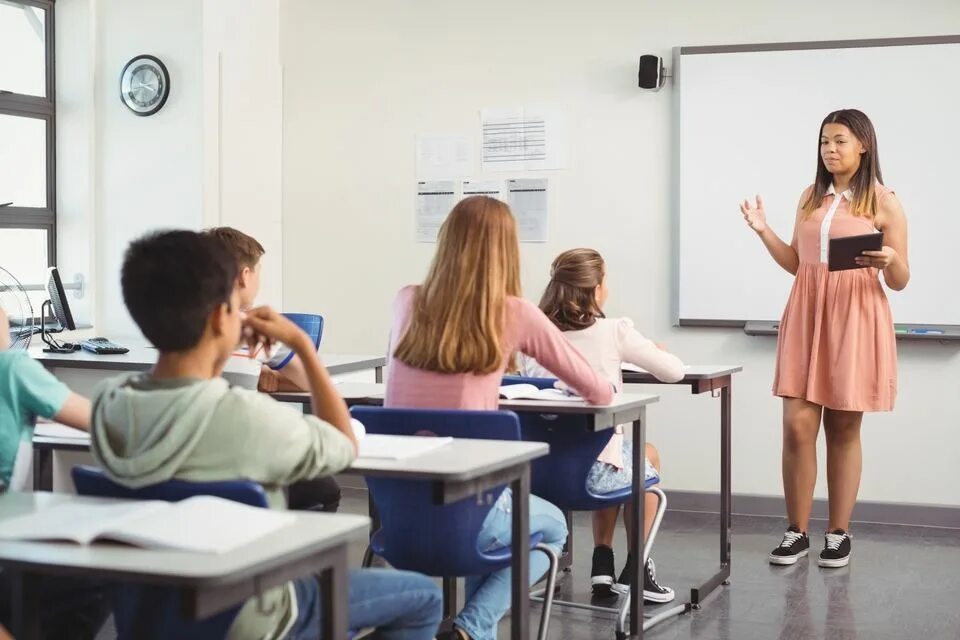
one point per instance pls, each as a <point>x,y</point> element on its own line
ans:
<point>202,524</point>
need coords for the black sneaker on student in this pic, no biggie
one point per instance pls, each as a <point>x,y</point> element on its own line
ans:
<point>601,575</point>
<point>836,549</point>
<point>795,545</point>
<point>653,591</point>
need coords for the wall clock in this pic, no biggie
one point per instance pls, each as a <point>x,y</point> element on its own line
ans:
<point>144,85</point>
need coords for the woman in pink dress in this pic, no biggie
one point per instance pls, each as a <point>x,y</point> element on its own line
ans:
<point>836,354</point>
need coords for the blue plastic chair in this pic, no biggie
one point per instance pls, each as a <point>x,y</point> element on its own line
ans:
<point>417,534</point>
<point>149,612</point>
<point>561,477</point>
<point>311,323</point>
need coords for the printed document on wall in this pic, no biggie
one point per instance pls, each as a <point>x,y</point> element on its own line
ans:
<point>526,138</point>
<point>528,200</point>
<point>491,188</point>
<point>444,156</point>
<point>435,199</point>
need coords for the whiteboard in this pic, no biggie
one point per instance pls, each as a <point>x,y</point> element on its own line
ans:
<point>746,121</point>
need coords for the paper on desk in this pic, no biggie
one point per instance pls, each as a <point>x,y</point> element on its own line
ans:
<point>384,447</point>
<point>57,430</point>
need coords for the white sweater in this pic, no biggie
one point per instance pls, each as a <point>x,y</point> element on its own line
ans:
<point>607,344</point>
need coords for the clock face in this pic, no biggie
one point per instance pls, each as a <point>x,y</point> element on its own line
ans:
<point>144,85</point>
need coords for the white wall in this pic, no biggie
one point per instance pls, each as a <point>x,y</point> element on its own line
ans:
<point>148,170</point>
<point>359,83</point>
<point>243,111</point>
<point>210,156</point>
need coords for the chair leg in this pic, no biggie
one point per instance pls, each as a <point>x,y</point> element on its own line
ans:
<point>554,561</point>
<point>367,558</point>
<point>658,518</point>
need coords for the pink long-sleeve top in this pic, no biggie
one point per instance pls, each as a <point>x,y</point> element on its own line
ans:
<point>527,330</point>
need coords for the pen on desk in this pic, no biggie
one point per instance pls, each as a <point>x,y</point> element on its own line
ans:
<point>927,331</point>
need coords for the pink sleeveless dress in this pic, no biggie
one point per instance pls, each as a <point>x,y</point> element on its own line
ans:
<point>837,346</point>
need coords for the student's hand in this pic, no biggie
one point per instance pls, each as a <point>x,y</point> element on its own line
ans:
<point>754,214</point>
<point>263,326</point>
<point>877,259</point>
<point>269,381</point>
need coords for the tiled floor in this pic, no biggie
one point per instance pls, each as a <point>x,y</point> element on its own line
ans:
<point>902,584</point>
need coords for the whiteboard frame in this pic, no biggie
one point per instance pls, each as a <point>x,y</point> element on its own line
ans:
<point>675,182</point>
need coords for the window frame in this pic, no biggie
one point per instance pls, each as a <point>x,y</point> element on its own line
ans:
<point>41,108</point>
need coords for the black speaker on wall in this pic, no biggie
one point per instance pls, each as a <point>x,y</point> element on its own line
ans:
<point>651,74</point>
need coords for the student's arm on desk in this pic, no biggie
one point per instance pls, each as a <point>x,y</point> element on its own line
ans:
<point>45,396</point>
<point>541,339</point>
<point>643,352</point>
<point>276,444</point>
<point>291,377</point>
<point>75,412</point>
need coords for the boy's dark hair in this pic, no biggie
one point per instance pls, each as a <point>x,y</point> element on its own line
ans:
<point>245,249</point>
<point>172,281</point>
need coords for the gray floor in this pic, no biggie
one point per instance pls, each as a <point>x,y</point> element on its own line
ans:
<point>902,583</point>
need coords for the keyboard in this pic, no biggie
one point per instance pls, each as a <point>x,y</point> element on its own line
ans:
<point>102,346</point>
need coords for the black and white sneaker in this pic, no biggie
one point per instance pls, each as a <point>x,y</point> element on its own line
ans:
<point>795,545</point>
<point>601,575</point>
<point>653,591</point>
<point>836,549</point>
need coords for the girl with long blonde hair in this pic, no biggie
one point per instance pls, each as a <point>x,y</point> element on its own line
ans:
<point>454,336</point>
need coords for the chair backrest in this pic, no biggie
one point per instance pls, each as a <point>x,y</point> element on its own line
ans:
<point>147,613</point>
<point>311,323</point>
<point>561,477</point>
<point>416,534</point>
<point>91,481</point>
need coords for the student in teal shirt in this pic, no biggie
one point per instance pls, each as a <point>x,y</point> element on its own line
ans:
<point>28,391</point>
<point>73,609</point>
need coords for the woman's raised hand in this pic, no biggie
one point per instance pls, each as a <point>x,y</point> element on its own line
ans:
<point>754,214</point>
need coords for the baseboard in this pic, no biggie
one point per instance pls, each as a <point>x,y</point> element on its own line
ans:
<point>917,515</point>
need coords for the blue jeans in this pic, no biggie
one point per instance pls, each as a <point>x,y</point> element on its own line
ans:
<point>401,605</point>
<point>488,596</point>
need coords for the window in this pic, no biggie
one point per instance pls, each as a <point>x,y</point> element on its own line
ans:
<point>27,144</point>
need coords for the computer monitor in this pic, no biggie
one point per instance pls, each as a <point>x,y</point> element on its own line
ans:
<point>60,309</point>
<point>58,299</point>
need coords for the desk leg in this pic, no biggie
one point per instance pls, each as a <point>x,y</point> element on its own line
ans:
<point>42,469</point>
<point>333,593</point>
<point>566,556</point>
<point>520,561</point>
<point>378,375</point>
<point>26,606</point>
<point>636,524</point>
<point>726,492</point>
<point>698,594</point>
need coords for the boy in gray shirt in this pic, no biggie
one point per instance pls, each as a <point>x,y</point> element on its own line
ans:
<point>182,420</point>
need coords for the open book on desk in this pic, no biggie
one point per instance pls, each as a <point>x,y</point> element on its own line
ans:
<point>531,392</point>
<point>203,524</point>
